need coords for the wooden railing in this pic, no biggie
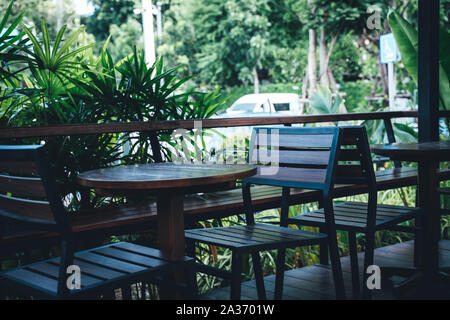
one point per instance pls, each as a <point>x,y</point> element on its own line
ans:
<point>119,127</point>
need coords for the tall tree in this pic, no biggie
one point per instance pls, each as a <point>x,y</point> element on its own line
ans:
<point>232,38</point>
<point>108,13</point>
<point>330,20</point>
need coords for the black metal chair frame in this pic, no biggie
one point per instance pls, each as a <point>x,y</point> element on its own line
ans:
<point>57,220</point>
<point>371,226</point>
<point>325,240</point>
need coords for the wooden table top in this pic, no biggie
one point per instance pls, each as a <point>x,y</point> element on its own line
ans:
<point>164,176</point>
<point>436,150</point>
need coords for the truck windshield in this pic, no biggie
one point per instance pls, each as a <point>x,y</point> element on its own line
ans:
<point>246,107</point>
<point>281,106</point>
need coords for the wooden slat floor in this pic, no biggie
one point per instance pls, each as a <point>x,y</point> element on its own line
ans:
<point>316,282</point>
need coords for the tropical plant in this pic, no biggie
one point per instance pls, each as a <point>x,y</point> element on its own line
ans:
<point>322,102</point>
<point>10,43</point>
<point>65,83</point>
<point>407,41</point>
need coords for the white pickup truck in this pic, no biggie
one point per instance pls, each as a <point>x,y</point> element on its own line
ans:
<point>251,105</point>
<point>254,105</point>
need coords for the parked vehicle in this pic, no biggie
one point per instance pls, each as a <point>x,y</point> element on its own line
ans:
<point>267,103</point>
<point>251,105</point>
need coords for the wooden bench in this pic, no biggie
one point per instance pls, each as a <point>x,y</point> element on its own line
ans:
<point>129,219</point>
<point>123,219</point>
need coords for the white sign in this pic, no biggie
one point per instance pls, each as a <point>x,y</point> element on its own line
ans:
<point>388,49</point>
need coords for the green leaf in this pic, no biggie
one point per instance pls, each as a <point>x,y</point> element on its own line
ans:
<point>406,38</point>
<point>407,41</point>
<point>321,101</point>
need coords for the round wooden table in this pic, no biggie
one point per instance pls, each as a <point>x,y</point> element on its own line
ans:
<point>169,182</point>
<point>428,155</point>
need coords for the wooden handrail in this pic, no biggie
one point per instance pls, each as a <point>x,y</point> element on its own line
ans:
<point>118,127</point>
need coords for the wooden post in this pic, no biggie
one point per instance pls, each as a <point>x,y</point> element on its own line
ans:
<point>428,87</point>
<point>428,73</point>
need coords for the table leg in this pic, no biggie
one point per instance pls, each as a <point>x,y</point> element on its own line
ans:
<point>170,216</point>
<point>171,226</point>
<point>429,201</point>
<point>426,276</point>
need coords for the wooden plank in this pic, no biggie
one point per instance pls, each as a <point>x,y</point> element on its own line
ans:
<point>294,141</point>
<point>22,186</point>
<point>145,251</point>
<point>110,263</point>
<point>384,209</point>
<point>317,221</point>
<point>292,232</point>
<point>34,280</point>
<point>18,167</point>
<point>349,171</point>
<point>130,257</point>
<point>225,240</point>
<point>299,158</point>
<point>349,155</point>
<point>339,219</point>
<point>93,269</point>
<point>27,208</point>
<point>51,270</point>
<point>244,234</point>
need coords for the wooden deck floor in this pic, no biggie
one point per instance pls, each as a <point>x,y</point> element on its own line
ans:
<point>316,282</point>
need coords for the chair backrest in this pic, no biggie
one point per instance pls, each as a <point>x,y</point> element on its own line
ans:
<point>308,155</point>
<point>354,158</point>
<point>355,166</point>
<point>28,193</point>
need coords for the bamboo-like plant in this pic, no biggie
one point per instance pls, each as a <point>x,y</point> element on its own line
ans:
<point>10,44</point>
<point>62,82</point>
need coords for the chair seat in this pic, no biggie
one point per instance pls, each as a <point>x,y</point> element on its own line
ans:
<point>352,216</point>
<point>251,238</point>
<point>107,265</point>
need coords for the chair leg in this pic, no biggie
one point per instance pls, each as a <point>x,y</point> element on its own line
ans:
<point>126,292</point>
<point>337,270</point>
<point>259,277</point>
<point>334,251</point>
<point>191,280</point>
<point>236,266</point>
<point>323,250</point>
<point>3,292</point>
<point>354,263</point>
<point>368,260</point>
<point>191,275</point>
<point>279,278</point>
<point>417,240</point>
<point>190,248</point>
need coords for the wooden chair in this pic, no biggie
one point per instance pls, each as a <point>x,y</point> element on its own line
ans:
<point>306,160</point>
<point>33,203</point>
<point>355,167</point>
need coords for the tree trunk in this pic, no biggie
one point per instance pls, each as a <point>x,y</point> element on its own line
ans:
<point>255,80</point>
<point>304,88</point>
<point>323,68</point>
<point>332,80</point>
<point>384,81</point>
<point>312,66</point>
